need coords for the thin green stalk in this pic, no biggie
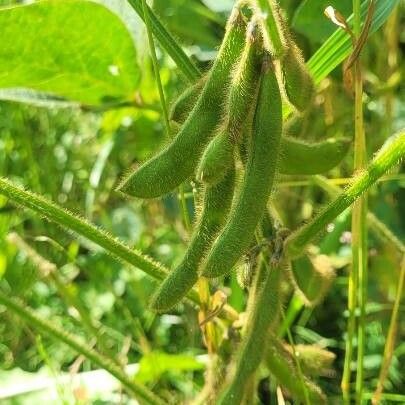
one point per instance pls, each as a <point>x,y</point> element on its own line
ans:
<point>44,326</point>
<point>189,70</point>
<point>148,24</point>
<point>156,66</point>
<point>390,341</point>
<point>82,227</point>
<point>386,158</point>
<point>358,276</point>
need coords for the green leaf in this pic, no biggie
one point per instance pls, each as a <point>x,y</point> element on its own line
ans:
<point>310,21</point>
<point>338,46</point>
<point>154,364</point>
<point>166,39</point>
<point>73,49</point>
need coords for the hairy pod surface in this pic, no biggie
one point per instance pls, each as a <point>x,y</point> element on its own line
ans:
<point>245,77</point>
<point>216,206</point>
<point>183,105</point>
<point>300,157</point>
<point>255,190</point>
<point>298,83</point>
<point>315,361</point>
<point>177,162</point>
<point>312,277</point>
<point>264,310</point>
<point>216,159</point>
<point>281,365</point>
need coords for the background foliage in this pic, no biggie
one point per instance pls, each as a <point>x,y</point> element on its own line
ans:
<point>75,153</point>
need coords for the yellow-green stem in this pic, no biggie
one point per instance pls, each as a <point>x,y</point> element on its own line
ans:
<point>390,341</point>
<point>359,225</point>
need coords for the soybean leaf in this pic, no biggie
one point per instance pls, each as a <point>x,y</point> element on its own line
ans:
<point>74,49</point>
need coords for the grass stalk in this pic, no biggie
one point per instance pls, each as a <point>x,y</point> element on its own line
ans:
<point>156,66</point>
<point>186,66</point>
<point>358,275</point>
<point>44,326</point>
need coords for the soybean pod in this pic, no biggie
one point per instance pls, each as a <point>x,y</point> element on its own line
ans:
<point>177,162</point>
<point>182,106</point>
<point>216,205</point>
<point>300,157</point>
<point>298,84</point>
<point>255,190</point>
<point>281,365</point>
<point>264,310</point>
<point>245,77</point>
<point>219,154</point>
<point>216,159</point>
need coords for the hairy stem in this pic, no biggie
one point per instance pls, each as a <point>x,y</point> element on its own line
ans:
<point>388,156</point>
<point>134,388</point>
<point>75,223</point>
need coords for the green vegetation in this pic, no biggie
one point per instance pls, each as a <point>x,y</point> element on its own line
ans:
<point>202,202</point>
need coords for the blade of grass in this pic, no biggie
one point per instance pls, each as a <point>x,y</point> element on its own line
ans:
<point>186,66</point>
<point>45,326</point>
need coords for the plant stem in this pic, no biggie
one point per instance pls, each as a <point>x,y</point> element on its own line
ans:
<point>390,341</point>
<point>380,230</point>
<point>189,70</point>
<point>387,157</point>
<point>42,325</point>
<point>358,276</point>
<point>82,227</point>
<point>156,66</point>
<point>148,25</point>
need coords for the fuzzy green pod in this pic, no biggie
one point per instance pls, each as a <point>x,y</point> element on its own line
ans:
<point>282,366</point>
<point>300,157</point>
<point>312,278</point>
<point>255,190</point>
<point>315,361</point>
<point>216,160</point>
<point>245,77</point>
<point>264,311</point>
<point>183,105</point>
<point>298,84</point>
<point>177,162</point>
<point>216,206</point>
